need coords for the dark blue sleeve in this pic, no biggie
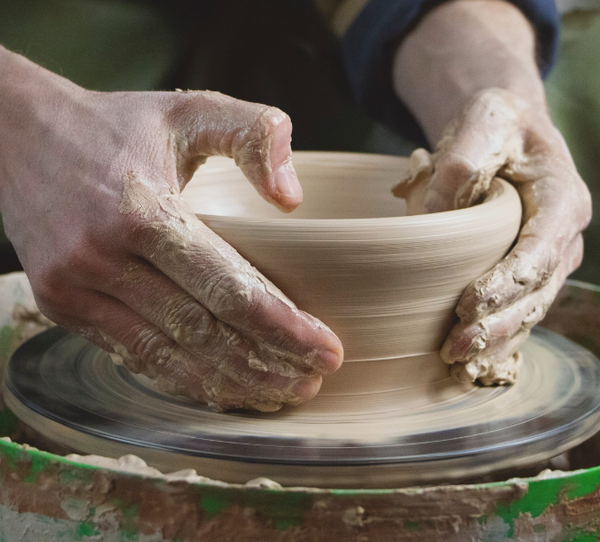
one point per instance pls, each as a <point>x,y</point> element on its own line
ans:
<point>367,47</point>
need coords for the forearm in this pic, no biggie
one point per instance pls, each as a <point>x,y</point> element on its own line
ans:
<point>459,49</point>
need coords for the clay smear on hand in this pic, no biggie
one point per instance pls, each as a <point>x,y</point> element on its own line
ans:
<point>217,330</point>
<point>499,133</point>
<point>478,362</point>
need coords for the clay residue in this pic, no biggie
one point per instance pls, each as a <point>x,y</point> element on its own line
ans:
<point>418,189</point>
<point>224,288</point>
<point>489,371</point>
<point>29,321</point>
<point>413,188</point>
<point>172,507</point>
<point>135,465</point>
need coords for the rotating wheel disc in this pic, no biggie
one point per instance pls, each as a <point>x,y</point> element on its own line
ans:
<point>71,392</point>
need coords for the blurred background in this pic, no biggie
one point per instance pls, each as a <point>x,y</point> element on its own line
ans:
<point>282,54</point>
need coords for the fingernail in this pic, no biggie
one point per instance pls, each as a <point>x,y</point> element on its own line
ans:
<point>307,388</point>
<point>329,360</point>
<point>445,353</point>
<point>287,183</point>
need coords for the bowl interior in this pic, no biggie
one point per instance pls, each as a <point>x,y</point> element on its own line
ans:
<point>335,185</point>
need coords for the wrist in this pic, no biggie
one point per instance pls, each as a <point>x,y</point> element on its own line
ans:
<point>31,99</point>
<point>460,49</point>
<point>27,89</point>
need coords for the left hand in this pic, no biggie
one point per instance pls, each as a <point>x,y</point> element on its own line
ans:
<point>500,134</point>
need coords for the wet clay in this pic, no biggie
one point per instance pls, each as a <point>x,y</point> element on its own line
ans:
<point>387,284</point>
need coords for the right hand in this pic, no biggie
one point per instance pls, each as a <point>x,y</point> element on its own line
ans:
<point>90,196</point>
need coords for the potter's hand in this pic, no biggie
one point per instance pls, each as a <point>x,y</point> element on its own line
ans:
<point>446,71</point>
<point>501,134</point>
<point>90,197</point>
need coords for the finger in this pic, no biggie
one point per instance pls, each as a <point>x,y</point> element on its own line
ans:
<point>145,349</point>
<point>162,230</point>
<point>170,308</point>
<point>497,134</point>
<point>414,187</point>
<point>553,218</point>
<point>472,151</point>
<point>256,136</point>
<point>472,342</point>
<point>214,274</point>
<point>121,354</point>
<point>498,368</point>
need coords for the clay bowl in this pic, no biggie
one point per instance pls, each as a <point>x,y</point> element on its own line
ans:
<point>387,284</point>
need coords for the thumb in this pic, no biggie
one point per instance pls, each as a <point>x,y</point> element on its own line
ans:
<point>484,139</point>
<point>256,136</point>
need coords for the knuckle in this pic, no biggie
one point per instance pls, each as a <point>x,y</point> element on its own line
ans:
<point>52,293</point>
<point>229,297</point>
<point>138,231</point>
<point>182,106</point>
<point>153,237</point>
<point>80,258</point>
<point>151,346</point>
<point>271,118</point>
<point>268,118</point>
<point>490,102</point>
<point>192,326</point>
<point>527,269</point>
<point>458,167</point>
<point>187,313</point>
<point>491,96</point>
<point>255,141</point>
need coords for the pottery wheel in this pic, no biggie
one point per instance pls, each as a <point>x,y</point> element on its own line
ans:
<point>407,433</point>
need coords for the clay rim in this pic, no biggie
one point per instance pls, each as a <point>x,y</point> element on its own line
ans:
<point>501,193</point>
